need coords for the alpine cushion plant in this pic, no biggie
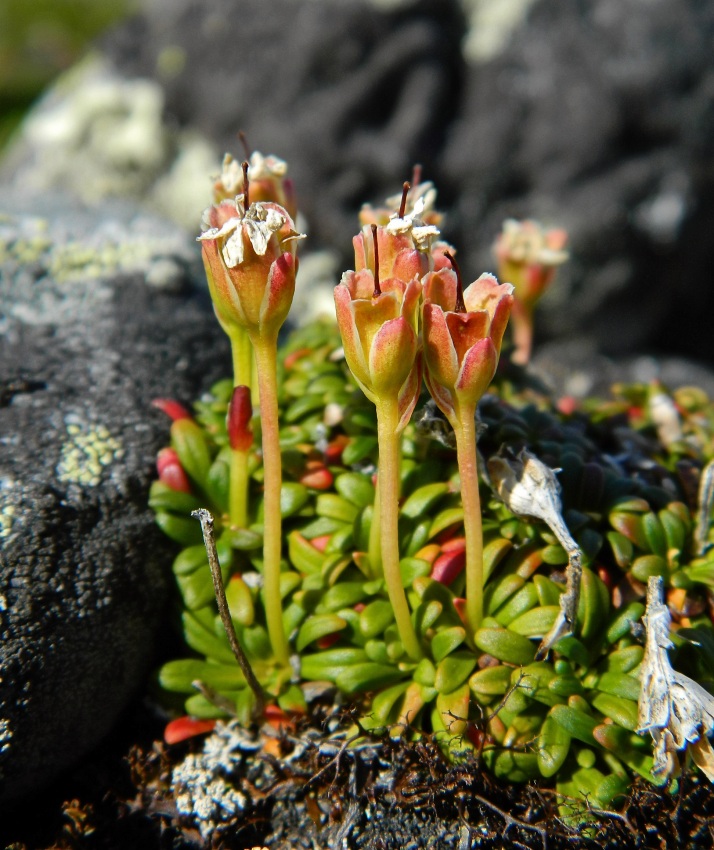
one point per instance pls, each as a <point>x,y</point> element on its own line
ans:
<point>345,549</point>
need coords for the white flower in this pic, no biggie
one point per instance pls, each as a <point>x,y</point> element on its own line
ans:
<point>411,223</point>
<point>258,223</point>
<point>259,168</point>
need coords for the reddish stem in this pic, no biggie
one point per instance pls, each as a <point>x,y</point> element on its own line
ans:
<point>244,141</point>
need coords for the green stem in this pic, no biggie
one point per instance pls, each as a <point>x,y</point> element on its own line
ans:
<point>464,425</point>
<point>242,351</point>
<point>389,456</point>
<point>375,545</point>
<point>238,489</point>
<point>266,360</point>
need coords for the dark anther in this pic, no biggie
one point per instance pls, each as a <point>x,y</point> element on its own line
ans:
<point>377,290</point>
<point>460,305</point>
<point>403,206</point>
<point>246,185</point>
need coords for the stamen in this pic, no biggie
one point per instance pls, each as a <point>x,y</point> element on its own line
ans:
<point>377,291</point>
<point>246,185</point>
<point>416,175</point>
<point>460,305</point>
<point>244,141</point>
<point>403,206</point>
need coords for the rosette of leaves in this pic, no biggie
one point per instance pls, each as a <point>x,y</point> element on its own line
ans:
<point>570,718</point>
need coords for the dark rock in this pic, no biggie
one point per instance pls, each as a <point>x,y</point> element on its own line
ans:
<point>99,317</point>
<point>352,95</point>
<point>599,117</point>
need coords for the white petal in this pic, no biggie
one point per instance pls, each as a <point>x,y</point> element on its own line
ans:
<point>233,252</point>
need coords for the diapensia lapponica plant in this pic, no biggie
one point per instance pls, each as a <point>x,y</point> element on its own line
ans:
<point>366,553</point>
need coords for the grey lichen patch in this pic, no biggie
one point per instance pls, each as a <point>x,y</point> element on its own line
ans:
<point>491,25</point>
<point>89,450</point>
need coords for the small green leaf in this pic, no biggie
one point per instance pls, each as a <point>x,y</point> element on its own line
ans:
<point>335,507</point>
<point>622,620</point>
<point>453,670</point>
<point>505,645</point>
<point>377,651</point>
<point>316,627</point>
<point>189,559</point>
<point>344,594</point>
<point>552,747</point>
<point>356,488</point>
<point>180,675</point>
<point>205,641</point>
<point>423,499</point>
<point>521,601</point>
<point>243,539</point>
<point>446,641</point>
<point>499,591</point>
<point>189,443</point>
<point>548,591</point>
<point>367,677</point>
<point>492,681</point>
<point>321,665</point>
<point>240,601</point>
<point>649,565</point>
<point>198,706</point>
<point>619,685</point>
<point>358,449</point>
<point>577,723</point>
<point>622,548</point>
<point>385,701</point>
<point>163,498</point>
<point>413,568</point>
<point>536,622</point>
<point>181,529</point>
<point>445,519</point>
<point>303,555</point>
<point>302,406</point>
<point>623,660</point>
<point>426,614</point>
<point>293,496</point>
<point>622,711</point>
<point>375,618</point>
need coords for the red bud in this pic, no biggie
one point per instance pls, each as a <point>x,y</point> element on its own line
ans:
<point>171,408</point>
<point>240,412</point>
<point>184,728</point>
<point>171,473</point>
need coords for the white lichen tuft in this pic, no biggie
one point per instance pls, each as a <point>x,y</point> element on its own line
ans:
<point>201,783</point>
<point>89,450</point>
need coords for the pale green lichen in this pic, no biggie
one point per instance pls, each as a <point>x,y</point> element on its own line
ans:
<point>87,453</point>
<point>7,518</point>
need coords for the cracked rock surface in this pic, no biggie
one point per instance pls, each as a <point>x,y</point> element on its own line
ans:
<point>98,317</point>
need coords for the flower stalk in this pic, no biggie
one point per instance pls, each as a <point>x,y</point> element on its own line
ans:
<point>249,255</point>
<point>462,340</point>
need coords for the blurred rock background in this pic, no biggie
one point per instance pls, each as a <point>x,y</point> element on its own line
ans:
<point>595,116</point>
